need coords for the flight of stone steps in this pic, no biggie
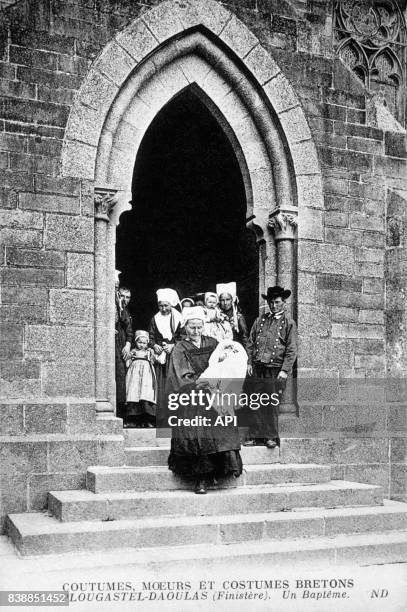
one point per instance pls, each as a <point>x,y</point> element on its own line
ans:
<point>273,509</point>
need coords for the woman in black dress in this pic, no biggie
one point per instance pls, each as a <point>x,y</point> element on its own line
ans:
<point>164,330</point>
<point>198,452</point>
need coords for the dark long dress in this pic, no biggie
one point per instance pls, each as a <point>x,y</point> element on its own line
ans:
<point>241,334</point>
<point>201,450</point>
<point>161,369</point>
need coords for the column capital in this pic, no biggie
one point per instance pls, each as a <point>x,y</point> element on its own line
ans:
<point>283,220</point>
<point>105,200</point>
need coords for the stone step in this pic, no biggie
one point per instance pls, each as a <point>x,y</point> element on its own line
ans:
<point>157,437</point>
<point>161,437</point>
<point>102,479</point>
<point>70,506</point>
<point>349,550</point>
<point>143,456</point>
<point>39,534</point>
<point>335,449</point>
<point>146,437</point>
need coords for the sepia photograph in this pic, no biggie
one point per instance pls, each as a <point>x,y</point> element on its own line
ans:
<point>203,305</point>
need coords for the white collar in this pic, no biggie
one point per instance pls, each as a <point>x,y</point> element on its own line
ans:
<point>167,324</point>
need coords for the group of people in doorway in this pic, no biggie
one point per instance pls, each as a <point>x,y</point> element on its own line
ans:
<point>189,343</point>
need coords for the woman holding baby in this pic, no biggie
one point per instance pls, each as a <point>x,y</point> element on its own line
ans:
<point>205,452</point>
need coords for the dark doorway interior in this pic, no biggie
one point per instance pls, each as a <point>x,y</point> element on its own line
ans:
<point>186,229</point>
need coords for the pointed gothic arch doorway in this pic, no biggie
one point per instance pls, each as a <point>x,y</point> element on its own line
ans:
<point>119,100</point>
<point>187,226</point>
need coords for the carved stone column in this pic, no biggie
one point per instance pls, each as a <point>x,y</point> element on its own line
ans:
<point>283,222</point>
<point>105,200</point>
<point>267,253</point>
<point>111,312</point>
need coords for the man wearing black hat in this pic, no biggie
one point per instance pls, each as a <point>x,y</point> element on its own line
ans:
<point>272,351</point>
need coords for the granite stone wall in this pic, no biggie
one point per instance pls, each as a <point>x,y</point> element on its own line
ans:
<point>351,272</point>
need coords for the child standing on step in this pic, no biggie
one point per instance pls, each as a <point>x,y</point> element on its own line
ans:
<point>141,384</point>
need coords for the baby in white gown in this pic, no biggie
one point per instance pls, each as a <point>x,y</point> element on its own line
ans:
<point>226,372</point>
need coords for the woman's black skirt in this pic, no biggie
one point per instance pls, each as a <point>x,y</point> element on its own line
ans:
<point>216,465</point>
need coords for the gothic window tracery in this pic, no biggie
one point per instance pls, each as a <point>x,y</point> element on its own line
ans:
<point>370,37</point>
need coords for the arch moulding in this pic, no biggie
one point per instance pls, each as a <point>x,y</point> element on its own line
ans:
<point>201,45</point>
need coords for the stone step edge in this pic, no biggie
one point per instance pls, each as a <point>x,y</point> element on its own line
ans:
<point>63,503</point>
<point>259,548</point>
<point>162,469</point>
<point>369,547</point>
<point>332,485</point>
<point>145,478</point>
<point>37,523</point>
<point>135,449</point>
<point>285,436</point>
<point>80,437</point>
<point>158,455</point>
<point>374,544</point>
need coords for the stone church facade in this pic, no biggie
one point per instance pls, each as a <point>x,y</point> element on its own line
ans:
<point>311,95</point>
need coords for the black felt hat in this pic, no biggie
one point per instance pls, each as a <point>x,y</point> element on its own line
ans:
<point>275,292</point>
